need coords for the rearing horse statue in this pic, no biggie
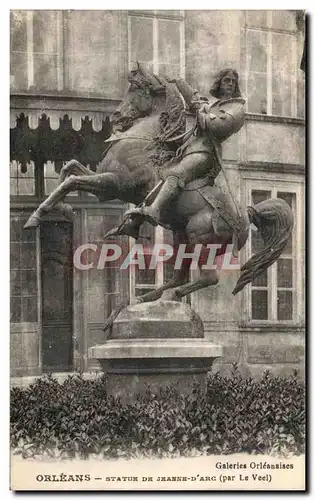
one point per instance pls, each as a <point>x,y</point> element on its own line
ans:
<point>148,129</point>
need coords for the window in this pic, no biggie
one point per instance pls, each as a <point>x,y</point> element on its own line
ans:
<point>156,39</point>
<point>22,182</point>
<point>94,52</point>
<point>274,85</point>
<point>23,279</point>
<point>52,180</point>
<point>18,50</point>
<point>146,280</point>
<point>36,50</point>
<point>107,286</point>
<point>59,50</point>
<point>274,293</point>
<point>51,177</point>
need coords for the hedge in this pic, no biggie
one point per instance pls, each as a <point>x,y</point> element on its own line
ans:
<point>76,419</point>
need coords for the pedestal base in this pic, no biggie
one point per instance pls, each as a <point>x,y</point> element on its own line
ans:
<point>127,387</point>
<point>135,365</point>
<point>153,345</point>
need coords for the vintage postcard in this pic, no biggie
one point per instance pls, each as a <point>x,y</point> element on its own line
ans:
<point>157,207</point>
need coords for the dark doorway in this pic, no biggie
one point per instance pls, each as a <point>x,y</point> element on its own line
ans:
<point>57,295</point>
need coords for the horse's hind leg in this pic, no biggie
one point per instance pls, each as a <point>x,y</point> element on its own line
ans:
<point>208,278</point>
<point>180,277</point>
<point>106,185</point>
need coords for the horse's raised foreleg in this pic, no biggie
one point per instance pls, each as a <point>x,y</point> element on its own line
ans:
<point>207,278</point>
<point>73,167</point>
<point>105,185</point>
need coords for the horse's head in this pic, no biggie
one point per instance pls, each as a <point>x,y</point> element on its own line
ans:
<point>138,100</point>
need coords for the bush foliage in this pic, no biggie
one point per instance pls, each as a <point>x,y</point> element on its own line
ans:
<point>76,419</point>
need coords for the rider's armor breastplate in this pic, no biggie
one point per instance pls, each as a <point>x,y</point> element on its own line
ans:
<point>222,118</point>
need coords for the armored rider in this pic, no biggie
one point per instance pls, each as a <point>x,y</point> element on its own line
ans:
<point>218,117</point>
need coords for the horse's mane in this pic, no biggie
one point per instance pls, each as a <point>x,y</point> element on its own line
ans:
<point>172,123</point>
<point>172,119</point>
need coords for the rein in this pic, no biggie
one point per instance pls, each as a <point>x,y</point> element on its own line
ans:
<point>116,139</point>
<point>185,135</point>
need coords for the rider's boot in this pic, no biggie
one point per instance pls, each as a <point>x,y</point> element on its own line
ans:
<point>168,192</point>
<point>129,228</point>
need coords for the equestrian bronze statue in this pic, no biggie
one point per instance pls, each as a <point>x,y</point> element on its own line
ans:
<point>169,173</point>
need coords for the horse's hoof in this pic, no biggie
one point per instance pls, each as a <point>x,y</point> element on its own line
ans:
<point>33,221</point>
<point>123,231</point>
<point>130,230</point>
<point>111,232</point>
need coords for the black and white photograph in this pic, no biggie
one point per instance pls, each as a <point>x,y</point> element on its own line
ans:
<point>157,249</point>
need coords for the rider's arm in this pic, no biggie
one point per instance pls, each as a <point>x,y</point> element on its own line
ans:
<point>191,96</point>
<point>196,102</point>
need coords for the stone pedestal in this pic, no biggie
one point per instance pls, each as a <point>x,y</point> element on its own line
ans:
<point>154,345</point>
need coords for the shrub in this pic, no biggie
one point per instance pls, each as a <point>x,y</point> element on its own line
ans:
<point>78,419</point>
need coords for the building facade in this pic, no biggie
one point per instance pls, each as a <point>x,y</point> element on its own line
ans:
<point>68,73</point>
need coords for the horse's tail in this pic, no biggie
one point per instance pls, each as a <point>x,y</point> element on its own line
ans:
<point>274,220</point>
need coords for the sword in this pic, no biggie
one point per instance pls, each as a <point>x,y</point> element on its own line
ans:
<point>151,194</point>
